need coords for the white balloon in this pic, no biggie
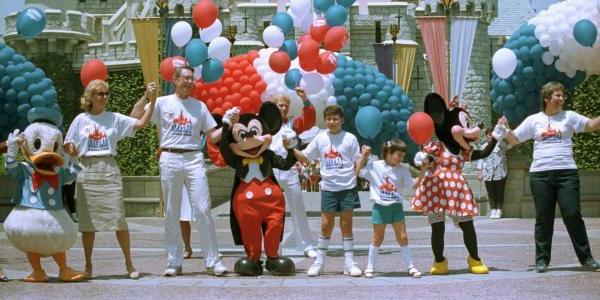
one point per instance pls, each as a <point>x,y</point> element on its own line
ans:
<point>273,36</point>
<point>307,22</point>
<point>219,48</point>
<point>570,72</point>
<point>295,18</point>
<point>598,5</point>
<point>504,62</point>
<point>301,7</point>
<point>312,83</point>
<point>547,58</point>
<point>211,32</point>
<point>544,40</point>
<point>331,100</point>
<point>198,72</point>
<point>181,33</point>
<point>560,65</point>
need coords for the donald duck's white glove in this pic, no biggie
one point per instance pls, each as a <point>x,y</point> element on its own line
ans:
<point>12,144</point>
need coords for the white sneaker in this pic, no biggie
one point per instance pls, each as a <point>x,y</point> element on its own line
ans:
<point>173,271</point>
<point>493,213</point>
<point>498,213</point>
<point>315,270</point>
<point>352,270</point>
<point>369,273</point>
<point>310,252</point>
<point>217,270</point>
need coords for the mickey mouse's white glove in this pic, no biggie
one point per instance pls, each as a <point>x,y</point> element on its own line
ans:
<point>229,115</point>
<point>291,136</point>
<point>500,132</point>
<point>420,157</point>
<point>12,144</point>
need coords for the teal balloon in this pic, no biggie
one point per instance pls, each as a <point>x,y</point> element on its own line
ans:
<point>345,3</point>
<point>323,5</point>
<point>359,89</point>
<point>505,87</point>
<point>338,85</point>
<point>23,97</point>
<point>524,54</point>
<point>394,101</point>
<point>401,126</point>
<point>283,21</point>
<point>510,100</point>
<point>364,99</point>
<point>354,103</point>
<point>10,95</point>
<point>404,114</point>
<point>196,52</point>
<point>38,101</point>
<point>380,81</point>
<point>336,15</point>
<point>359,78</point>
<point>348,92</point>
<point>342,61</point>
<point>30,22</point>
<point>405,100</point>
<point>585,33</point>
<point>50,96</point>
<point>10,107</point>
<point>376,103</point>
<point>349,71</point>
<point>12,71</point>
<point>18,58</point>
<point>292,78</point>
<point>397,91</point>
<point>368,122</point>
<point>291,48</point>
<point>339,72</point>
<point>538,67</point>
<point>212,70</point>
<point>395,115</point>
<point>386,116</point>
<point>372,89</point>
<point>28,66</point>
<point>23,109</point>
<point>342,101</point>
<point>348,80</point>
<point>382,95</point>
<point>19,83</point>
<point>35,89</point>
<point>5,82</point>
<point>529,72</point>
<point>536,51</point>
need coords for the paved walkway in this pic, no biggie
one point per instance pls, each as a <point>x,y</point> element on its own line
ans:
<point>506,245</point>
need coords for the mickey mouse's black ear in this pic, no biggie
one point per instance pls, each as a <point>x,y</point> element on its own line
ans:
<point>435,107</point>
<point>271,116</point>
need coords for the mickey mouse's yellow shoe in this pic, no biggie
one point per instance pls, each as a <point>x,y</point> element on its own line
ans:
<point>477,266</point>
<point>439,268</point>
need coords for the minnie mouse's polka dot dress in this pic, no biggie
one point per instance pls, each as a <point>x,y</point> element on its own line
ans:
<point>445,190</point>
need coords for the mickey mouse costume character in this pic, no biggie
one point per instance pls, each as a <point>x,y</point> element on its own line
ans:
<point>444,191</point>
<point>257,202</point>
<point>39,225</point>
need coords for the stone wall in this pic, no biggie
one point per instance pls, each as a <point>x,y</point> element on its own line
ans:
<point>99,6</point>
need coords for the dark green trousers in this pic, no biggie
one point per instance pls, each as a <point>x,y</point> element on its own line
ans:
<point>548,188</point>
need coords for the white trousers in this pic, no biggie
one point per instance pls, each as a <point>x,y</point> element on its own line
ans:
<point>290,183</point>
<point>186,215</point>
<point>176,171</point>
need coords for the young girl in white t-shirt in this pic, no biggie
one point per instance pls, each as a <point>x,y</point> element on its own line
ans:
<point>387,178</point>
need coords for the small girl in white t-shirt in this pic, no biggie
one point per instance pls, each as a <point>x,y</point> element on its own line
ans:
<point>387,178</point>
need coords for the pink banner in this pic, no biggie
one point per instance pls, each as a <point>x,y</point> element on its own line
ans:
<point>433,31</point>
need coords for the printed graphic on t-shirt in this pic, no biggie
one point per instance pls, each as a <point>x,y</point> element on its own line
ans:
<point>182,125</point>
<point>388,191</point>
<point>97,140</point>
<point>551,135</point>
<point>333,159</point>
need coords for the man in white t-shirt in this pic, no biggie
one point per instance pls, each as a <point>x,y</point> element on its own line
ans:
<point>181,120</point>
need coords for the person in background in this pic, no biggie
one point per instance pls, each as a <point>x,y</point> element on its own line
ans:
<point>493,171</point>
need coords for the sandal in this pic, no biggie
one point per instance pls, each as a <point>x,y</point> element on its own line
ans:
<point>414,273</point>
<point>187,253</point>
<point>3,277</point>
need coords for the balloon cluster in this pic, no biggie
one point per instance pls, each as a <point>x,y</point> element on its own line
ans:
<point>22,86</point>
<point>559,44</point>
<point>359,86</point>
<point>206,60</point>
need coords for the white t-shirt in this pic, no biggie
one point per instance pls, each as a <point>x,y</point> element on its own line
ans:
<point>97,135</point>
<point>181,122</point>
<point>386,182</point>
<point>552,147</point>
<point>337,154</point>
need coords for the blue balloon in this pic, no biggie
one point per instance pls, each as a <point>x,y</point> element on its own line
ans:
<point>349,71</point>
<point>342,61</point>
<point>196,52</point>
<point>536,51</point>
<point>38,101</point>
<point>386,116</point>
<point>368,122</point>
<point>12,71</point>
<point>585,33</point>
<point>19,83</point>
<point>510,100</point>
<point>212,70</point>
<point>394,101</point>
<point>359,89</point>
<point>348,80</point>
<point>524,53</point>
<point>401,126</point>
<point>336,15</point>
<point>529,72</point>
<point>345,3</point>
<point>382,95</point>
<point>354,103</point>
<point>395,115</point>
<point>31,21</point>
<point>404,114</point>
<point>292,78</point>
<point>380,81</point>
<point>10,95</point>
<point>342,101</point>
<point>397,91</point>
<point>338,85</point>
<point>50,96</point>
<point>364,99</point>
<point>348,92</point>
<point>405,101</point>
<point>23,97</point>
<point>23,109</point>
<point>376,103</point>
<point>323,5</point>
<point>291,48</point>
<point>283,21</point>
<point>339,72</point>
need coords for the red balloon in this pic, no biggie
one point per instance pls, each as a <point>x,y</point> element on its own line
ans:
<point>420,127</point>
<point>246,89</point>
<point>236,87</point>
<point>243,64</point>
<point>279,62</point>
<point>336,38</point>
<point>237,74</point>
<point>318,29</point>
<point>260,86</point>
<point>308,55</point>
<point>168,65</point>
<point>205,13</point>
<point>254,95</point>
<point>327,63</point>
<point>249,70</point>
<point>213,92</point>
<point>217,111</point>
<point>93,69</point>
<point>304,38</point>
<point>309,65</point>
<point>246,104</point>
<point>227,105</point>
<point>245,79</point>
<point>228,81</point>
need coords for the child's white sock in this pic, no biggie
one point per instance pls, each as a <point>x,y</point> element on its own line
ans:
<point>323,245</point>
<point>348,250</point>
<point>373,252</point>
<point>407,256</point>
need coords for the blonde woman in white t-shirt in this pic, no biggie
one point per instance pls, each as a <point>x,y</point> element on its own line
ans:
<point>553,174</point>
<point>93,137</point>
<point>387,178</point>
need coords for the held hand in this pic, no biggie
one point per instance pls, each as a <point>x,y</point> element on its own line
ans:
<point>500,132</point>
<point>421,159</point>
<point>300,92</point>
<point>151,91</point>
<point>366,151</point>
<point>71,150</point>
<point>290,139</point>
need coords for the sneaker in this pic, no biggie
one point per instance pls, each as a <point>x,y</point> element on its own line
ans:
<point>591,265</point>
<point>498,213</point>
<point>369,273</point>
<point>310,252</point>
<point>315,270</point>
<point>352,270</point>
<point>173,271</point>
<point>217,270</point>
<point>414,273</point>
<point>493,213</point>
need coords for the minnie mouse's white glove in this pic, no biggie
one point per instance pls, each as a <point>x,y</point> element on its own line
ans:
<point>229,115</point>
<point>420,157</point>
<point>500,132</point>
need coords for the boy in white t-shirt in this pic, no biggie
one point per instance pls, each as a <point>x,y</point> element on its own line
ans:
<point>387,178</point>
<point>337,151</point>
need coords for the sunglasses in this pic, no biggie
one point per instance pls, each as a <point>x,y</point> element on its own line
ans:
<point>103,94</point>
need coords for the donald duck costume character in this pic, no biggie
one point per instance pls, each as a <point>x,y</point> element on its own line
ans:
<point>39,225</point>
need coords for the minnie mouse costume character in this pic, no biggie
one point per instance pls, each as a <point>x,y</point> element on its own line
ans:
<point>257,202</point>
<point>444,190</point>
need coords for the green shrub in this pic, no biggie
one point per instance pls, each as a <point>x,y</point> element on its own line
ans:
<point>585,99</point>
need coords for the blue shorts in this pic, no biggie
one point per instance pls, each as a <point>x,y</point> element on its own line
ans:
<point>340,201</point>
<point>387,214</point>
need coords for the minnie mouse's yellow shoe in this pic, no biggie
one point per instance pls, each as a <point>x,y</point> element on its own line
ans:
<point>439,268</point>
<point>477,266</point>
